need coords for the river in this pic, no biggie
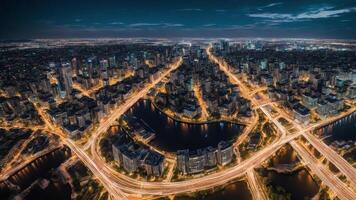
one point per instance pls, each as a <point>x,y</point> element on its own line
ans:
<point>172,135</point>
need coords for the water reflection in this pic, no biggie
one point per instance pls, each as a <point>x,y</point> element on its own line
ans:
<point>233,191</point>
<point>299,183</point>
<point>39,168</point>
<point>172,135</point>
<point>343,129</point>
<point>286,155</point>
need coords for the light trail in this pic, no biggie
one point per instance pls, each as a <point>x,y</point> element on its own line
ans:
<point>330,154</point>
<point>203,106</point>
<point>80,152</point>
<point>118,194</point>
<point>255,186</point>
<point>112,81</point>
<point>6,174</point>
<point>121,186</point>
<point>105,124</point>
<point>327,177</point>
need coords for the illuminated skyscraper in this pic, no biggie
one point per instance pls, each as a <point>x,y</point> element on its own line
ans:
<point>65,80</point>
<point>104,65</point>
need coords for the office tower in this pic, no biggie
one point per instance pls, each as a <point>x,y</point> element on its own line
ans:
<point>104,65</point>
<point>65,80</point>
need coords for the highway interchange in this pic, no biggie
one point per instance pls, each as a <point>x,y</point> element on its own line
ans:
<point>121,186</point>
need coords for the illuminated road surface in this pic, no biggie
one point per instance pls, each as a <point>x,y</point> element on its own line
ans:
<point>327,177</point>
<point>325,150</point>
<point>107,122</point>
<point>121,186</point>
<point>255,187</point>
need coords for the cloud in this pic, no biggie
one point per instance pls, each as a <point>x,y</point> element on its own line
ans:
<point>270,5</point>
<point>220,10</point>
<point>191,9</point>
<point>172,24</point>
<point>245,26</point>
<point>271,15</point>
<point>156,24</point>
<point>78,20</point>
<point>143,24</point>
<point>209,25</point>
<point>116,23</point>
<point>325,12</point>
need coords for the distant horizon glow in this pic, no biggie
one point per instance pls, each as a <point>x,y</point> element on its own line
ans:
<point>318,19</point>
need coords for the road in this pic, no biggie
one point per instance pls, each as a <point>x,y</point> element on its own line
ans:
<point>344,166</point>
<point>121,186</point>
<point>255,186</point>
<point>106,123</point>
<point>91,91</point>
<point>201,102</point>
<point>327,177</point>
<point>130,185</point>
<point>325,150</point>
<point>6,174</point>
<point>133,186</point>
<point>118,194</point>
<point>243,136</point>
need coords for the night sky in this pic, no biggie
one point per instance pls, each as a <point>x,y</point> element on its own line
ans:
<point>173,18</point>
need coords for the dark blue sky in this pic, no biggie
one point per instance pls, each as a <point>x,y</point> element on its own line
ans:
<point>173,18</point>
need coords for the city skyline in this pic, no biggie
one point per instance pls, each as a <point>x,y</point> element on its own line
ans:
<point>159,118</point>
<point>181,99</point>
<point>231,19</point>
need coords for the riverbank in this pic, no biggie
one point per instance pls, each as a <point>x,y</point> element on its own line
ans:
<point>193,121</point>
<point>172,135</point>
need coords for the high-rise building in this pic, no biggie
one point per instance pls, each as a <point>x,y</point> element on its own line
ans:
<point>263,64</point>
<point>112,62</point>
<point>104,65</point>
<point>65,79</point>
<point>75,66</point>
<point>224,46</point>
<point>352,91</point>
<point>196,161</point>
<point>182,161</point>
<point>210,157</point>
<point>154,164</point>
<point>225,153</point>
